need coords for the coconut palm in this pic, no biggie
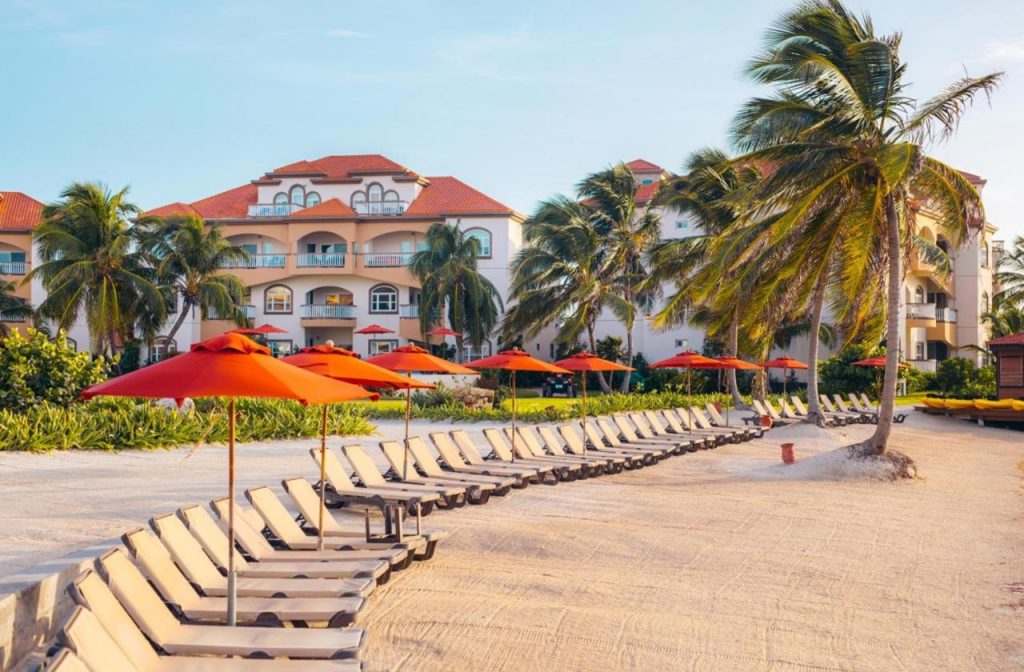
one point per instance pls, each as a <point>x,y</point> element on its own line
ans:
<point>188,258</point>
<point>91,263</point>
<point>452,286</point>
<point>1004,320</point>
<point>12,308</point>
<point>847,148</point>
<point>1010,275</point>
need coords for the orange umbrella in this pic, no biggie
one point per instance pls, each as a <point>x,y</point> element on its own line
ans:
<point>442,331</point>
<point>373,330</point>
<point>688,360</point>
<point>514,360</point>
<point>263,330</point>
<point>879,363</point>
<point>785,363</point>
<point>232,366</point>
<point>414,359</point>
<point>341,364</point>
<point>584,362</point>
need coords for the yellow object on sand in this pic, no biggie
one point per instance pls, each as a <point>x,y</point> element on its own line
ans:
<point>985,404</point>
<point>932,402</point>
<point>959,404</point>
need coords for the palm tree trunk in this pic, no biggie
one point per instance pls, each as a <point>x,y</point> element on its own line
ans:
<point>878,443</point>
<point>624,388</point>
<point>734,347</point>
<point>185,308</point>
<point>458,347</point>
<point>814,414</point>
<point>605,387</point>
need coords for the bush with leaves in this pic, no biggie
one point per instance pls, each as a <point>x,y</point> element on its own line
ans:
<point>838,375</point>
<point>35,370</point>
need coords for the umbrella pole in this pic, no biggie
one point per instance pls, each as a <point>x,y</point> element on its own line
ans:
<point>513,415</point>
<point>323,478</point>
<point>689,404</point>
<point>584,376</point>
<point>232,589</point>
<point>408,412</point>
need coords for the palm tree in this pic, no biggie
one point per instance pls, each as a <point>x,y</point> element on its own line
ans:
<point>188,259</point>
<point>452,286</point>
<point>91,263</point>
<point>1004,320</point>
<point>847,149</point>
<point>627,230</point>
<point>555,277</point>
<point>1010,275</point>
<point>12,307</point>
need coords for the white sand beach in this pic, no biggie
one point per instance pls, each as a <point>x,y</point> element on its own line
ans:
<point>720,560</point>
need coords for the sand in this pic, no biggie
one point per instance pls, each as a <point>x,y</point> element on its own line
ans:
<point>720,560</point>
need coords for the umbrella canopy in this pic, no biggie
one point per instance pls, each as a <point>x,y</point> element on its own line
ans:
<point>878,362</point>
<point>261,330</point>
<point>736,363</point>
<point>515,360</point>
<point>342,364</point>
<point>375,329</point>
<point>688,360</point>
<point>414,359</point>
<point>584,362</point>
<point>442,331</point>
<point>783,362</point>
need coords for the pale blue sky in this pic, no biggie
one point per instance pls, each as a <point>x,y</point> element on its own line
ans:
<point>520,99</point>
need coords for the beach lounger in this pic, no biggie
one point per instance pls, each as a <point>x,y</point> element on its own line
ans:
<point>681,423</point>
<point>127,593</point>
<point>340,488</point>
<point>778,416</point>
<point>738,433</point>
<point>531,447</point>
<point>597,440</point>
<point>864,408</point>
<point>719,420</point>
<point>829,407</point>
<point>597,463</point>
<point>291,535</point>
<point>493,460</point>
<point>615,439</point>
<point>428,463</point>
<point>503,451</point>
<point>873,406</point>
<point>629,434</point>
<point>830,418</point>
<point>117,645</point>
<point>191,605</point>
<point>765,409</point>
<point>643,428</point>
<point>700,439</point>
<point>371,475</point>
<point>189,556</point>
<point>479,488</point>
<point>841,405</point>
<point>575,444</point>
<point>452,460</point>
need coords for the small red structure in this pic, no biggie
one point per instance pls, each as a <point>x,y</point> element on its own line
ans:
<point>1009,354</point>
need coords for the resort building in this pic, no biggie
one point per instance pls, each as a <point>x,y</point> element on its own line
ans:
<point>19,214</point>
<point>330,243</point>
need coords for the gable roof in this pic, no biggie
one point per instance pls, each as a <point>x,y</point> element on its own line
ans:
<point>448,195</point>
<point>230,204</point>
<point>645,192</point>
<point>332,207</point>
<point>19,212</point>
<point>1012,339</point>
<point>297,168</point>
<point>644,166</point>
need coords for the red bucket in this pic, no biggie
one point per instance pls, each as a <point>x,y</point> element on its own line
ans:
<point>787,453</point>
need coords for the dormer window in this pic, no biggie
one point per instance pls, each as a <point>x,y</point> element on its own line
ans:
<point>298,195</point>
<point>375,201</point>
<point>375,193</point>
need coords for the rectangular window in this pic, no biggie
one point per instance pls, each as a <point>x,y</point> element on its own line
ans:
<point>384,301</point>
<point>382,346</point>
<point>280,348</point>
<point>682,225</point>
<point>278,300</point>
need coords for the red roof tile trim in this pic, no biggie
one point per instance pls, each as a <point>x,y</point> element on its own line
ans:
<point>172,210</point>
<point>645,192</point>
<point>642,166</point>
<point>230,204</point>
<point>1012,339</point>
<point>448,195</point>
<point>297,168</point>
<point>332,207</point>
<point>19,212</point>
<point>346,166</point>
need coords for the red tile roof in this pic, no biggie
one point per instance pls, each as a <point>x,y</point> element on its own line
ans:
<point>297,168</point>
<point>972,178</point>
<point>19,212</point>
<point>230,204</point>
<point>172,210</point>
<point>645,192</point>
<point>448,195</point>
<point>1012,339</point>
<point>642,166</point>
<point>332,207</point>
<point>346,166</point>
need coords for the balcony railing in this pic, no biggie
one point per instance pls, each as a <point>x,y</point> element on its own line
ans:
<point>258,261</point>
<point>327,312</point>
<point>212,314</point>
<point>13,267</point>
<point>380,208</point>
<point>921,311</point>
<point>387,259</point>
<point>321,260</point>
<point>409,312</point>
<point>945,314</point>
<point>273,209</point>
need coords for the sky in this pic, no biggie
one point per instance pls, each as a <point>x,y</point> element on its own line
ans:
<point>181,100</point>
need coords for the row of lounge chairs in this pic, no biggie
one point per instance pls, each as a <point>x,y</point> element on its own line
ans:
<point>838,411</point>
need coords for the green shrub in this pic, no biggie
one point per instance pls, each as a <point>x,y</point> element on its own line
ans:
<point>37,370</point>
<point>958,377</point>
<point>441,395</point>
<point>838,375</point>
<point>527,394</point>
<point>918,380</point>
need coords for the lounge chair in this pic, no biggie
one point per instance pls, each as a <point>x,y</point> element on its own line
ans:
<point>630,435</point>
<point>340,488</point>
<point>477,487</point>
<point>371,475</point>
<point>765,409</point>
<point>576,444</point>
<point>189,556</point>
<point>193,606</point>
<point>598,463</point>
<point>291,535</point>
<point>616,439</point>
<point>830,418</point>
<point>428,463</point>
<point>459,463</point>
<point>683,423</point>
<point>215,542</point>
<point>596,440</point>
<point>738,433</point>
<point>718,420</point>
<point>130,599</point>
<point>841,405</point>
<point>530,447</point>
<point>830,408</point>
<point>503,451</point>
<point>500,458</point>
<point>643,429</point>
<point>778,416</point>
<point>871,406</point>
<point>109,644</point>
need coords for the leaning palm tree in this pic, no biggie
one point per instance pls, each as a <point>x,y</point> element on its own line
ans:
<point>451,285</point>
<point>847,145</point>
<point>12,308</point>
<point>188,258</point>
<point>1010,275</point>
<point>91,264</point>
<point>627,229</point>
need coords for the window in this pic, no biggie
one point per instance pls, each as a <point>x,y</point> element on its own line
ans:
<point>647,181</point>
<point>312,198</point>
<point>298,193</point>
<point>277,299</point>
<point>919,350</point>
<point>682,225</point>
<point>919,294</point>
<point>281,204</point>
<point>984,255</point>
<point>984,302</point>
<point>483,240</point>
<point>382,346</point>
<point>469,353</point>
<point>375,193</point>
<point>391,196</point>
<point>163,347</point>
<point>280,348</point>
<point>358,201</point>
<point>383,299</point>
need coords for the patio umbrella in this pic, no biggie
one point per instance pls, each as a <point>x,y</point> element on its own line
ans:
<point>879,363</point>
<point>414,359</point>
<point>785,363</point>
<point>231,366</point>
<point>261,330</point>
<point>514,360</point>
<point>584,362</point>
<point>341,364</point>
<point>730,362</point>
<point>373,330</point>
<point>688,360</point>
<point>442,331</point>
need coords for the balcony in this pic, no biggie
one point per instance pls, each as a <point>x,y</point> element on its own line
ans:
<point>926,365</point>
<point>322,260</point>
<point>273,209</point>
<point>409,312</point>
<point>13,267</point>
<point>327,312</point>
<point>387,259</point>
<point>921,311</point>
<point>387,208</point>
<point>250,312</point>
<point>258,261</point>
<point>945,315</point>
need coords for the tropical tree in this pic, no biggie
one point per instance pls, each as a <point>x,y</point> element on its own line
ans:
<point>1004,320</point>
<point>13,308</point>
<point>188,258</point>
<point>1009,276</point>
<point>847,149</point>
<point>452,286</point>
<point>92,263</point>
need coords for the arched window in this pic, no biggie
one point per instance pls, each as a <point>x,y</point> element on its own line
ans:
<point>359,201</point>
<point>163,347</point>
<point>390,196</point>
<point>483,240</point>
<point>919,294</point>
<point>298,193</point>
<point>985,302</point>
<point>383,299</point>
<point>374,193</point>
<point>312,198</point>
<point>984,255</point>
<point>281,204</point>
<point>277,299</point>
